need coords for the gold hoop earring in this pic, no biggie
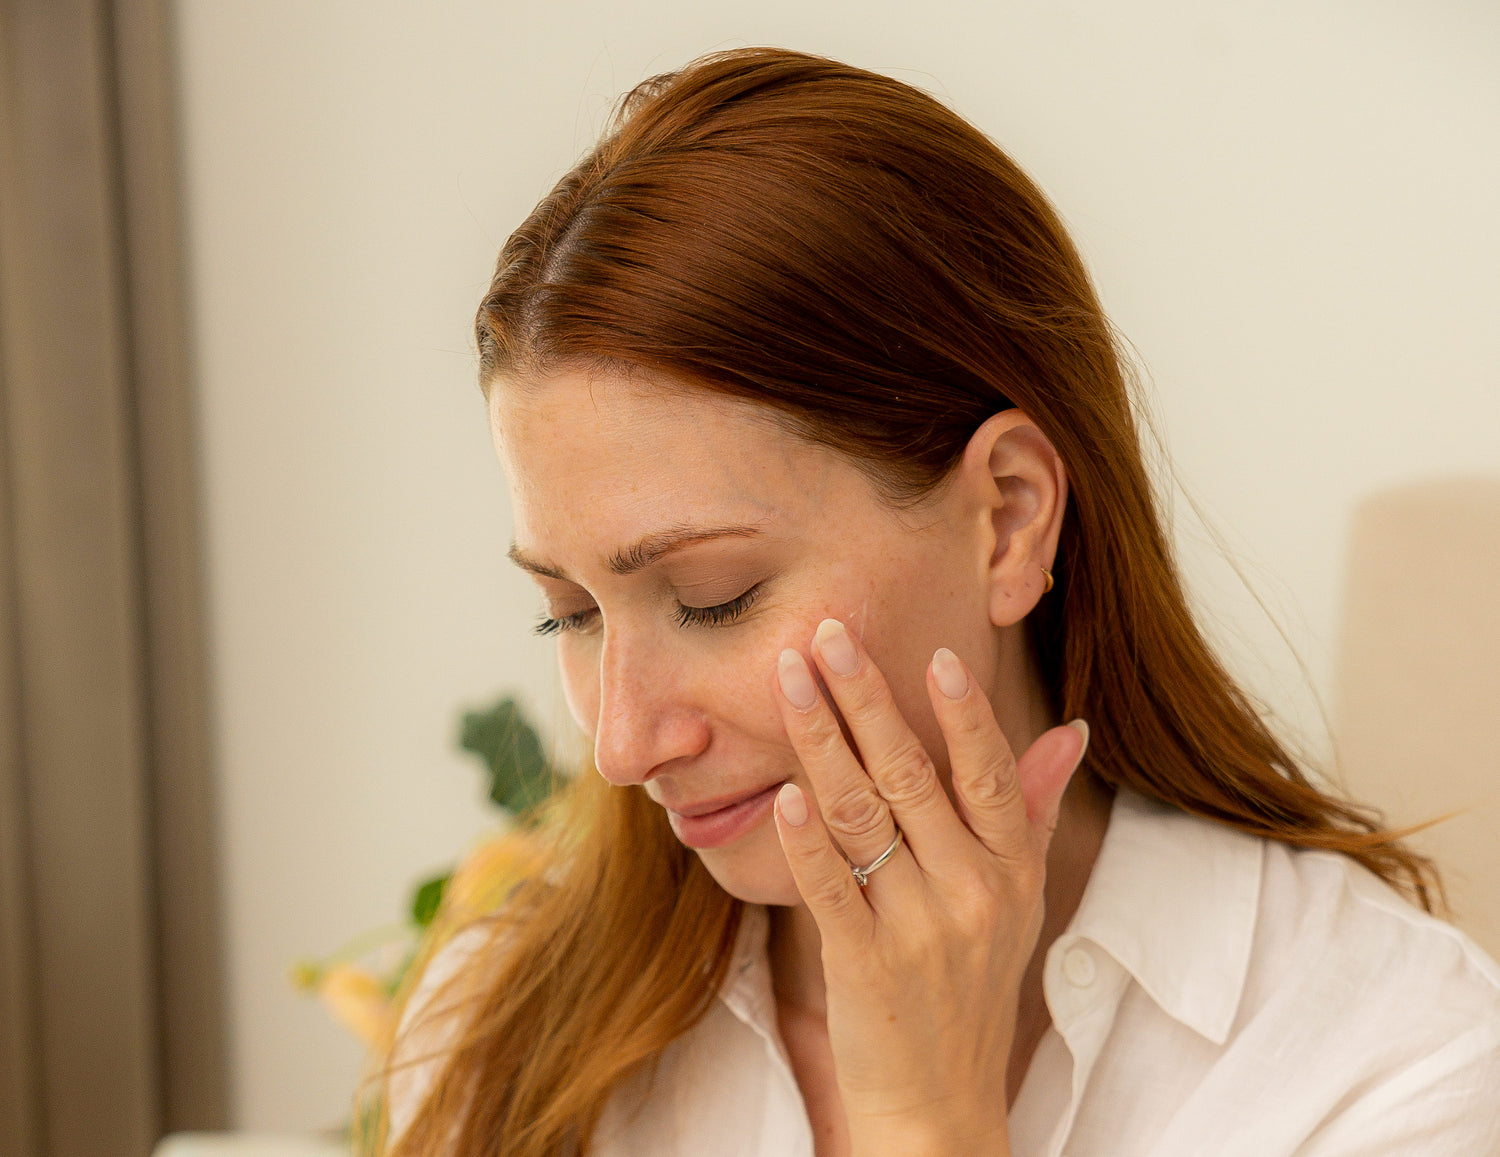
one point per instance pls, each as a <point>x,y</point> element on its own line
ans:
<point>1048,575</point>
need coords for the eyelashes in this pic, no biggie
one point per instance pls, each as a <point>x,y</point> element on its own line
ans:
<point>716,616</point>
<point>546,626</point>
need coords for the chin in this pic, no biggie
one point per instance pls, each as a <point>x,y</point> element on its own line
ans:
<point>753,869</point>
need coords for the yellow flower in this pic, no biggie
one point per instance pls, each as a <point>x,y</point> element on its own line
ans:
<point>483,881</point>
<point>358,1001</point>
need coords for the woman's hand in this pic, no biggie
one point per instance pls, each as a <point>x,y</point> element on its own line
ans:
<point>923,966</point>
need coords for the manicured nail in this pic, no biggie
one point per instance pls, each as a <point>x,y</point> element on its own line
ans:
<point>836,647</point>
<point>793,804</point>
<point>1081,726</point>
<point>952,679</point>
<point>796,680</point>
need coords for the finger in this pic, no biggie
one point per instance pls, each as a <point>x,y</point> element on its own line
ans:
<point>902,770</point>
<point>822,877</point>
<point>986,786</point>
<point>1046,770</point>
<point>852,809</point>
<point>1006,803</point>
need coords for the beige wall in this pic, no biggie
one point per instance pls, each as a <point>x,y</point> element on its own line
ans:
<point>1289,207</point>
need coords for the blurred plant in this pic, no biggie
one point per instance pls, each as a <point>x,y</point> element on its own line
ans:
<point>359,981</point>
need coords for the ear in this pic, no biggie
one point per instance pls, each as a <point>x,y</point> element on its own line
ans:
<point>1019,480</point>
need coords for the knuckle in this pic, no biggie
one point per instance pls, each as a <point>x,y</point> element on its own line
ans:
<point>828,893</point>
<point>976,902</point>
<point>926,942</point>
<point>996,783</point>
<point>831,896</point>
<point>974,917</point>
<point>865,697</point>
<point>856,813</point>
<point>971,722</point>
<point>821,739</point>
<point>911,776</point>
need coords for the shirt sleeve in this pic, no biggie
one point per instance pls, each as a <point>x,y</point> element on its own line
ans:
<point>1446,1104</point>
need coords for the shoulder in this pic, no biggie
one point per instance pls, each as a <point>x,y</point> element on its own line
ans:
<point>424,1034</point>
<point>1251,973</point>
<point>1323,914</point>
<point>1175,895</point>
<point>1392,1015</point>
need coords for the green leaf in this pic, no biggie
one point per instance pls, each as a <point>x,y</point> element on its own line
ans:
<point>428,898</point>
<point>510,747</point>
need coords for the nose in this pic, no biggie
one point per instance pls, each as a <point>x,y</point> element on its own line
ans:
<point>646,716</point>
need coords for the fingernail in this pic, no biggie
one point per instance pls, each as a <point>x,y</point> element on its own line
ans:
<point>1081,726</point>
<point>951,678</point>
<point>793,804</point>
<point>836,647</point>
<point>796,680</point>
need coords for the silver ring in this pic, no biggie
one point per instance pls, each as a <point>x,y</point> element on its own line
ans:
<point>863,874</point>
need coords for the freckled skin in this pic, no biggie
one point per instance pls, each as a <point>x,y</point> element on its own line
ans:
<point>596,463</point>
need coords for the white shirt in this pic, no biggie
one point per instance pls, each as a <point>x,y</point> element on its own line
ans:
<point>1215,995</point>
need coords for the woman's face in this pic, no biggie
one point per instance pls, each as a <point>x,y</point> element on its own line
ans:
<point>681,540</point>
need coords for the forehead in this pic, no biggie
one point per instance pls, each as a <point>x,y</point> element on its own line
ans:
<point>613,456</point>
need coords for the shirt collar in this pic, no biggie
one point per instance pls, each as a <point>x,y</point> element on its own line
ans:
<point>1173,898</point>
<point>747,986</point>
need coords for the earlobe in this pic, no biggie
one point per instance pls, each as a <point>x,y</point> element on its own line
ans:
<point>1023,487</point>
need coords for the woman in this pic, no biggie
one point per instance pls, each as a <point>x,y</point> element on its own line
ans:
<point>822,457</point>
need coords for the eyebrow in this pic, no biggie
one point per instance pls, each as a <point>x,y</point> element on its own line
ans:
<point>641,554</point>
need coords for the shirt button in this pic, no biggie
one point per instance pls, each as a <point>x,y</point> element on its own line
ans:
<point>1078,967</point>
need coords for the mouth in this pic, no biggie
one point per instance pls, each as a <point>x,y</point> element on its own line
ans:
<point>713,823</point>
<point>704,807</point>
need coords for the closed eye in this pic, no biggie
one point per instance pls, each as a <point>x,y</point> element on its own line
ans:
<point>716,616</point>
<point>574,622</point>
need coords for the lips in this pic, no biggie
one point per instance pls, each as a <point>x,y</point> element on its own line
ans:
<point>720,822</point>
<point>703,807</point>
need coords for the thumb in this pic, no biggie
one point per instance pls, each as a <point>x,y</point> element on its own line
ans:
<point>1046,770</point>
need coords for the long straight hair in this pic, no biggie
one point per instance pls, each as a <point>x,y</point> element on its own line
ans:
<point>843,249</point>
